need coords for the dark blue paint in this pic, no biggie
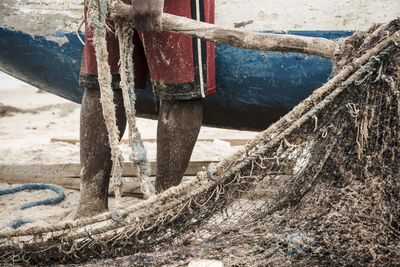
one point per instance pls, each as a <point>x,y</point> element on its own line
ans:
<point>41,62</point>
<point>253,88</point>
<point>267,78</point>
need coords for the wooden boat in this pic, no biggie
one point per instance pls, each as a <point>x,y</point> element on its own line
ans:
<point>39,44</point>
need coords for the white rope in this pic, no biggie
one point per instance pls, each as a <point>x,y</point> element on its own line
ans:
<point>139,153</point>
<point>97,14</point>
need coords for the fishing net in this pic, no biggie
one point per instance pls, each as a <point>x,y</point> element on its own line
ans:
<point>320,186</point>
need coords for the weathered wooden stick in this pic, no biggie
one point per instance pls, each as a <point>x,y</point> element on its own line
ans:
<point>238,38</point>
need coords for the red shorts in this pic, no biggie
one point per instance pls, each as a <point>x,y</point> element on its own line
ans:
<point>171,59</point>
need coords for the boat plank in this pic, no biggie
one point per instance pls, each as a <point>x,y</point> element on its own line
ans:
<point>233,142</point>
<point>16,175</point>
<point>130,187</point>
<point>72,170</point>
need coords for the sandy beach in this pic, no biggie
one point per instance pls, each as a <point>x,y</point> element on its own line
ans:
<point>31,118</point>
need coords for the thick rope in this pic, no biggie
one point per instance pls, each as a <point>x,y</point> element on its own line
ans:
<point>139,153</point>
<point>60,194</point>
<point>302,108</point>
<point>298,119</point>
<point>18,222</point>
<point>97,14</point>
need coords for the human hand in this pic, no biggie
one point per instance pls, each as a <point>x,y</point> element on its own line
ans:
<point>147,15</point>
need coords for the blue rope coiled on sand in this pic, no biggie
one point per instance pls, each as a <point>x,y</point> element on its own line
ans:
<point>60,194</point>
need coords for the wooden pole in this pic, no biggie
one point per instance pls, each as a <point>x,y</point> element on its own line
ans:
<point>236,37</point>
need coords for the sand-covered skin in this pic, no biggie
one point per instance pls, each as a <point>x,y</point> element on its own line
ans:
<point>25,138</point>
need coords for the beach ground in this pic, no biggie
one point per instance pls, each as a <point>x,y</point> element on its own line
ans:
<point>30,120</point>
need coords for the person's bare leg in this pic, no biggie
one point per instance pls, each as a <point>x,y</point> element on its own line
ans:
<point>95,152</point>
<point>179,124</point>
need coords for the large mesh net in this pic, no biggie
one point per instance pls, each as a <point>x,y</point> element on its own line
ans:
<point>320,186</point>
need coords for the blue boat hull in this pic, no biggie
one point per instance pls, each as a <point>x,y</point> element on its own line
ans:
<point>254,88</point>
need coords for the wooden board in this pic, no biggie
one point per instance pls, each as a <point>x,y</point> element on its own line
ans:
<point>130,186</point>
<point>233,142</point>
<point>67,175</point>
<point>72,170</point>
